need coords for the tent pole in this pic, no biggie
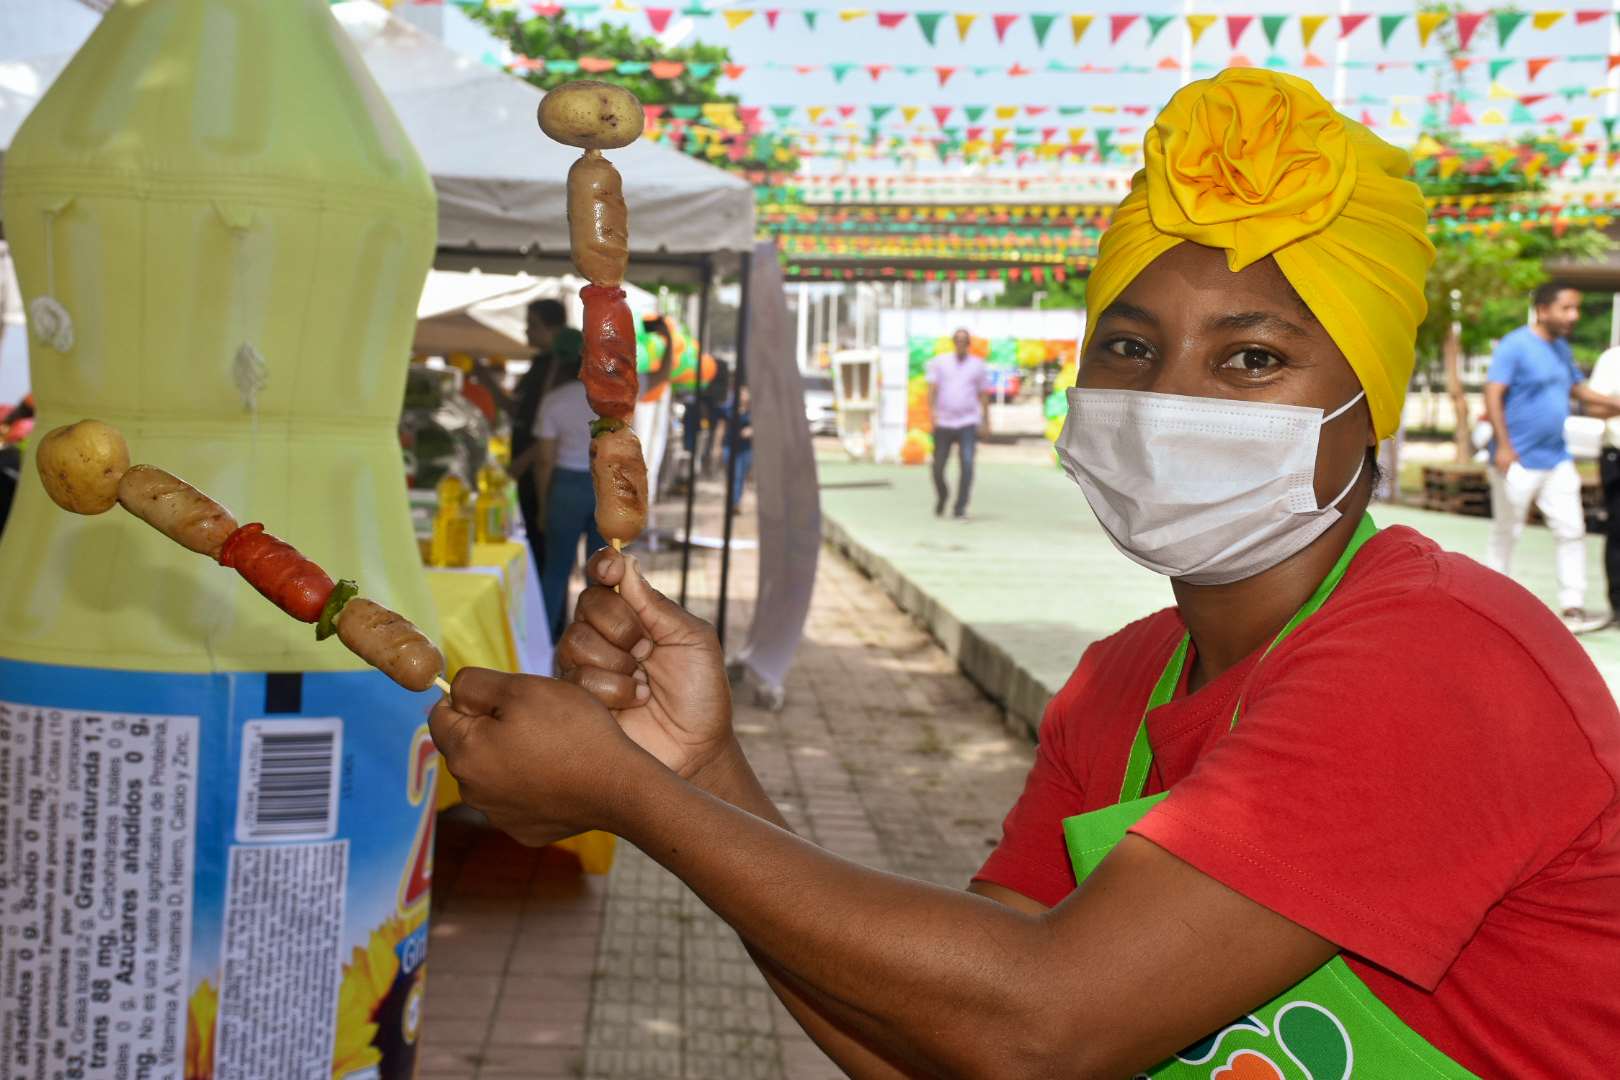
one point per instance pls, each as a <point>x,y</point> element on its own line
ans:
<point>733,439</point>
<point>697,439</point>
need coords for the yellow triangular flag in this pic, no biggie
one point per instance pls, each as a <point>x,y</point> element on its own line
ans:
<point>1587,160</point>
<point>1544,20</point>
<point>1397,120</point>
<point>1309,25</point>
<point>1500,157</point>
<point>1578,125</point>
<point>1006,112</point>
<point>1427,146</point>
<point>1500,91</point>
<point>815,112</point>
<point>1533,167</point>
<point>1428,22</point>
<point>851,14</point>
<point>1199,23</point>
<point>1492,116</point>
<point>1000,134</point>
<point>1129,149</point>
<point>1079,24</point>
<point>620,5</point>
<point>1449,166</point>
<point>964,23</point>
<point>735,17</point>
<point>1075,135</point>
<point>1599,91</point>
<point>1105,108</point>
<point>910,112</point>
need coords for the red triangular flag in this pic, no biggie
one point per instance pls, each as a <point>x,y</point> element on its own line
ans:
<point>1020,69</point>
<point>1367,119</point>
<point>974,134</point>
<point>654,112</point>
<point>1614,61</point>
<point>891,19</point>
<point>1530,99</point>
<point>771,15</point>
<point>1002,22</point>
<point>876,70</point>
<point>1348,23</point>
<point>1467,23</point>
<point>547,10</point>
<point>1534,65</point>
<point>1460,115</point>
<point>1035,110</point>
<point>749,113</point>
<point>1590,16</point>
<point>942,113</point>
<point>1118,24</point>
<point>1235,25</point>
<point>733,71</point>
<point>846,111</point>
<point>1047,133</point>
<point>658,18</point>
<point>944,74</point>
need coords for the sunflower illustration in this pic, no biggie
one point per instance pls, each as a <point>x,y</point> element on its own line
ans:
<point>376,1026</point>
<point>200,1016</point>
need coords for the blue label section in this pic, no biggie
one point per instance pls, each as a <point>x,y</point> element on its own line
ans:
<point>412,952</point>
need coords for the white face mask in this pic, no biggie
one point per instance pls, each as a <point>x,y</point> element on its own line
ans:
<point>1206,490</point>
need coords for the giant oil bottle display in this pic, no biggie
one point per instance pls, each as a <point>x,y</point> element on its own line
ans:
<point>215,832</point>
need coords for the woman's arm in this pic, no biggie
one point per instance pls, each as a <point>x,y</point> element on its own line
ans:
<point>545,463</point>
<point>1148,956</point>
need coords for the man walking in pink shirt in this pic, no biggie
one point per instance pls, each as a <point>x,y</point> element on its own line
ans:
<point>959,401</point>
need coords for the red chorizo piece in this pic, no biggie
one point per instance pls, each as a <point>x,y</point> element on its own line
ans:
<point>285,577</point>
<point>609,369</point>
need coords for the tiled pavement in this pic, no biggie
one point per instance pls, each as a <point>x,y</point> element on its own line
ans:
<point>883,753</point>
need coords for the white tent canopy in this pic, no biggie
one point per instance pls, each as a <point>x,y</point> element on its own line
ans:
<point>501,183</point>
<point>487,314</point>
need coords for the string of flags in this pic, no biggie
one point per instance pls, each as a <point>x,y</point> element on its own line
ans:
<point>1040,25</point>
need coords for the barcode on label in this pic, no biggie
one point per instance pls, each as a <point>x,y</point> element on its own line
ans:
<point>290,780</point>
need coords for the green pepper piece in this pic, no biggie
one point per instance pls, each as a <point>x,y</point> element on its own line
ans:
<point>345,591</point>
<point>603,425</point>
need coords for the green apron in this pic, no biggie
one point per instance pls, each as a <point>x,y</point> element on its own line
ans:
<point>1327,1027</point>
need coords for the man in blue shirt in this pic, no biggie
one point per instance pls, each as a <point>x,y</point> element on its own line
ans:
<point>1527,394</point>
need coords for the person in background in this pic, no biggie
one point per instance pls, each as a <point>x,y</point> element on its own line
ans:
<point>959,402</point>
<point>744,461</point>
<point>1527,393</point>
<point>1606,380</point>
<point>546,318</point>
<point>562,475</point>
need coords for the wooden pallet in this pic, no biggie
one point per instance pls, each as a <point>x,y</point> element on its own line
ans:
<point>1466,489</point>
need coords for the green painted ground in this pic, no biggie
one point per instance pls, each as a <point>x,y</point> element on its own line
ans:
<point>1033,572</point>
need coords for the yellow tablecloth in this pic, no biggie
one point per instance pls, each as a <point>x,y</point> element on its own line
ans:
<point>476,627</point>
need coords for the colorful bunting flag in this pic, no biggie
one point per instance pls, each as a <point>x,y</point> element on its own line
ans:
<point>1499,66</point>
<point>964,23</point>
<point>810,17</point>
<point>1040,24</point>
<point>771,16</point>
<point>1001,23</point>
<point>1272,25</point>
<point>944,74</point>
<point>597,65</point>
<point>1157,23</point>
<point>1235,26</point>
<point>1197,24</point>
<point>1545,20</point>
<point>909,112</point>
<point>1078,25</point>
<point>941,113</point>
<point>1312,60</point>
<point>1467,23</point>
<point>666,69</point>
<point>1118,24</point>
<point>891,19</point>
<point>658,18</point>
<point>928,22</point>
<point>1506,23</point>
<point>1428,22</point>
<point>1387,25</point>
<point>851,14</point>
<point>1536,65</point>
<point>735,17</point>
<point>1309,25</point>
<point>1584,17</point>
<point>732,71</point>
<point>1348,24</point>
<point>1170,63</point>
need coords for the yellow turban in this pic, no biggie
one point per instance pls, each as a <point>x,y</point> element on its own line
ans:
<point>1258,163</point>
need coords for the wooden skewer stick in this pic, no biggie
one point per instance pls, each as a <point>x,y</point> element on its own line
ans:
<point>438,681</point>
<point>618,545</point>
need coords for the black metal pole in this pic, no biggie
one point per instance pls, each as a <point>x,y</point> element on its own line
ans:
<point>697,433</point>
<point>733,437</point>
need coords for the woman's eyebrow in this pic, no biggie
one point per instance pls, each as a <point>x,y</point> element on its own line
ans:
<point>1119,309</point>
<point>1257,320</point>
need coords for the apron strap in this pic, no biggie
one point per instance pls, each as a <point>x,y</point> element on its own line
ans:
<point>1141,759</point>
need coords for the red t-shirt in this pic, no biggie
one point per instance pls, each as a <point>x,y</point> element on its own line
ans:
<point>1426,772</point>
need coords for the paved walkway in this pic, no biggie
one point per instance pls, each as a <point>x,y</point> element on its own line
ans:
<point>883,753</point>
<point>1019,591</point>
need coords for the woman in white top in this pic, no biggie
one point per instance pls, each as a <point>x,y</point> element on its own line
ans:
<point>562,475</point>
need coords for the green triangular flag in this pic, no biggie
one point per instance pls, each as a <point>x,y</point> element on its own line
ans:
<point>954,134</point>
<point>1521,115</point>
<point>973,112</point>
<point>908,69</point>
<point>1499,66</point>
<point>929,22</point>
<point>700,71</point>
<point>1387,25</point>
<point>1105,137</point>
<point>810,17</point>
<point>632,67</point>
<point>1071,110</point>
<point>1608,127</point>
<point>1041,24</point>
<point>1506,23</point>
<point>840,70</point>
<point>1467,95</point>
<point>1024,132</point>
<point>783,111</point>
<point>581,10</point>
<point>983,71</point>
<point>1272,25</point>
<point>880,111</point>
<point>686,112</point>
<point>1157,23</point>
<point>1276,61</point>
<point>1431,118</point>
<point>1057,65</point>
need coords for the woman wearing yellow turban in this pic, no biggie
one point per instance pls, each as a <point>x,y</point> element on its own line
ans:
<point>1349,810</point>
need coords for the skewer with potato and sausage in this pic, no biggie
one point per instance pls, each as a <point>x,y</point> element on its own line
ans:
<point>85,469</point>
<point>597,116</point>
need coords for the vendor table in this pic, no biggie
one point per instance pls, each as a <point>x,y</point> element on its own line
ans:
<point>491,615</point>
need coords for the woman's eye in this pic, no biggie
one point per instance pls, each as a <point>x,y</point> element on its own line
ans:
<point>1252,360</point>
<point>1130,348</point>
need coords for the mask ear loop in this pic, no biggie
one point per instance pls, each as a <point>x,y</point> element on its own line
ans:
<point>1360,465</point>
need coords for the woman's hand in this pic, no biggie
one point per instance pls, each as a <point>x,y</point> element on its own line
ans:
<point>541,758</point>
<point>656,665</point>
